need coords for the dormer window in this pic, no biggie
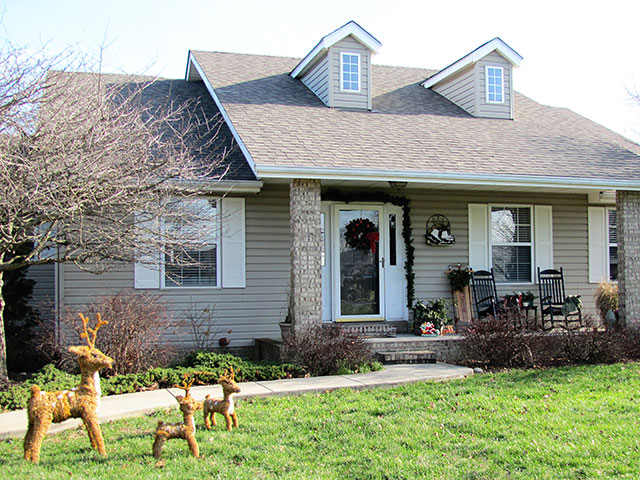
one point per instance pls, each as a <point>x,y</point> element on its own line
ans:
<point>495,82</point>
<point>350,72</point>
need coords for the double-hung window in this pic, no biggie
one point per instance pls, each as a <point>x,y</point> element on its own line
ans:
<point>495,84</point>
<point>196,264</point>
<point>350,72</point>
<point>511,244</point>
<point>612,243</point>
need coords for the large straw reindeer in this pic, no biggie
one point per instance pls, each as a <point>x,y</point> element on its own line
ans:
<point>225,405</point>
<point>185,429</point>
<point>47,407</point>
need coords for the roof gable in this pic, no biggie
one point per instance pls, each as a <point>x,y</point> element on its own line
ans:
<point>349,28</point>
<point>482,51</point>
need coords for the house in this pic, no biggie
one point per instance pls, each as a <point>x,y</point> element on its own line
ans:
<point>339,162</point>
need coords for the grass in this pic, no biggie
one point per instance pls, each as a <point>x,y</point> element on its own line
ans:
<point>566,423</point>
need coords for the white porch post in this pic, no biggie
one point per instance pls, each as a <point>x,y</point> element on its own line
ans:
<point>306,254</point>
<point>628,214</point>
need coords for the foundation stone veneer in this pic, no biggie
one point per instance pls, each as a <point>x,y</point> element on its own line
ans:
<point>628,213</point>
<point>306,254</point>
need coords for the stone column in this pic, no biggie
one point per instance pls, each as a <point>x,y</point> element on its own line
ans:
<point>628,213</point>
<point>306,254</point>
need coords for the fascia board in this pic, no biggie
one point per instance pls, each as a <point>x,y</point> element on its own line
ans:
<point>351,28</point>
<point>243,148</point>
<point>497,44</point>
<point>325,173</point>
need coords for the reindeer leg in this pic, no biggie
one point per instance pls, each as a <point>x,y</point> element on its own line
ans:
<point>158,444</point>
<point>213,419</point>
<point>207,422</point>
<point>193,445</point>
<point>36,434</point>
<point>92,438</point>
<point>95,434</point>
<point>227,417</point>
<point>235,419</point>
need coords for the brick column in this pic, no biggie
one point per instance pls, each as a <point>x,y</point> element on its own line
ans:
<point>628,213</point>
<point>306,254</point>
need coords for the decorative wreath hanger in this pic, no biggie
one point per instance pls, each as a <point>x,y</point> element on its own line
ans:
<point>439,231</point>
<point>362,234</point>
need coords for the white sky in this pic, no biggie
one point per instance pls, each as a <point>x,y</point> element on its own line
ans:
<point>577,54</point>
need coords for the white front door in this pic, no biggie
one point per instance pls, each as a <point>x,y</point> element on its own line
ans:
<point>358,284</point>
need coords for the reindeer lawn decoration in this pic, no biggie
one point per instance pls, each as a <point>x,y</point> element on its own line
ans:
<point>225,405</point>
<point>185,429</point>
<point>46,407</point>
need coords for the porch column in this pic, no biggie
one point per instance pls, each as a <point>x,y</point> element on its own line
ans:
<point>628,213</point>
<point>306,254</point>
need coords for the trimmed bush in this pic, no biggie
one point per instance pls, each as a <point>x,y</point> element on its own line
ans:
<point>327,350</point>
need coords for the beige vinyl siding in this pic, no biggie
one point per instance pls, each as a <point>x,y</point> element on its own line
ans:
<point>251,312</point>
<point>570,248</point>
<point>362,99</point>
<point>317,80</point>
<point>494,110</point>
<point>460,89</point>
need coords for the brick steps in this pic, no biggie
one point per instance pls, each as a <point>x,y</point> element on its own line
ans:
<point>407,356</point>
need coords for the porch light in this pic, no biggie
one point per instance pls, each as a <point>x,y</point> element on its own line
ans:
<point>397,185</point>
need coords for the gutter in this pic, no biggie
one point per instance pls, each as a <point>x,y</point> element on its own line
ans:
<point>325,173</point>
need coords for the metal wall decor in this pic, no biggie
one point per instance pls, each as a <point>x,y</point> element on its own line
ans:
<point>439,231</point>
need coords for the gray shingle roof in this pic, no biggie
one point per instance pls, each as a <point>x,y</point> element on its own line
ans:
<point>410,129</point>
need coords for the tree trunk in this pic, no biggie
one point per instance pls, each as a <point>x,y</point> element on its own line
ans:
<point>4,374</point>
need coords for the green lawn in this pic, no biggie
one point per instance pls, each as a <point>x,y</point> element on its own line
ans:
<point>573,423</point>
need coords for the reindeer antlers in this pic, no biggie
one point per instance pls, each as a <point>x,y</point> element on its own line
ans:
<point>92,331</point>
<point>230,376</point>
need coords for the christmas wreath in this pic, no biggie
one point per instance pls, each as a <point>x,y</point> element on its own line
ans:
<point>362,234</point>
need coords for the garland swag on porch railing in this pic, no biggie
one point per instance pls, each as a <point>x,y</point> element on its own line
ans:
<point>381,197</point>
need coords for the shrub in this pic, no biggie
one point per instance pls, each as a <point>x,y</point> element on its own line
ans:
<point>593,345</point>
<point>326,350</point>
<point>132,336</point>
<point>498,342</point>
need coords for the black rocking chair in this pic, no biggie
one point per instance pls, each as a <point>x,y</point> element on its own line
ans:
<point>485,295</point>
<point>552,300</point>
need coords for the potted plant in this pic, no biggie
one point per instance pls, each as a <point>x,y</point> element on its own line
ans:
<point>429,318</point>
<point>459,281</point>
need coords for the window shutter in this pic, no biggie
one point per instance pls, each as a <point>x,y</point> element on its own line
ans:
<point>478,237</point>
<point>597,244</point>
<point>233,243</point>
<point>146,269</point>
<point>543,236</point>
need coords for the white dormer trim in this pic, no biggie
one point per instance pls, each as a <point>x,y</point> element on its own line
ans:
<point>482,51</point>
<point>192,62</point>
<point>350,28</point>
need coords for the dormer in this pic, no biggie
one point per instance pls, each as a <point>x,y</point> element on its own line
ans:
<point>481,82</point>
<point>338,69</point>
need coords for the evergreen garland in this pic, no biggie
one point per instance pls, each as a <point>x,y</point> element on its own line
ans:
<point>381,197</point>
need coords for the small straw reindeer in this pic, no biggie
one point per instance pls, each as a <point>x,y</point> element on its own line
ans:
<point>224,405</point>
<point>185,429</point>
<point>46,407</point>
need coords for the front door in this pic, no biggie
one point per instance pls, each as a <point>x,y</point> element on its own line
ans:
<point>357,263</point>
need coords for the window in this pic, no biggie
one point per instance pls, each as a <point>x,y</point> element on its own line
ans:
<point>511,244</point>
<point>612,243</point>
<point>202,233</point>
<point>350,72</point>
<point>495,85</point>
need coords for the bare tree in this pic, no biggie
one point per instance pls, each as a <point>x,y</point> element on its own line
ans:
<point>83,154</point>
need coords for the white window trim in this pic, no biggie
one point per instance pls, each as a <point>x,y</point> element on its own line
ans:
<point>530,244</point>
<point>486,82</point>
<point>218,244</point>
<point>608,243</point>
<point>342,89</point>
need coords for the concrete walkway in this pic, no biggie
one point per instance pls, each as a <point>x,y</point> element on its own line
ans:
<point>14,424</point>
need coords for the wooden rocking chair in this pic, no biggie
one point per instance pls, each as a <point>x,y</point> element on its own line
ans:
<point>485,294</point>
<point>552,299</point>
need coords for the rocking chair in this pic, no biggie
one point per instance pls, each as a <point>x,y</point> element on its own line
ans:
<point>553,301</point>
<point>485,294</point>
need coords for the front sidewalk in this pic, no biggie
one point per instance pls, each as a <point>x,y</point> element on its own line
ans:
<point>14,424</point>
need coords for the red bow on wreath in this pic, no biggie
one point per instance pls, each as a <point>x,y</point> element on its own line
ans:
<point>372,237</point>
